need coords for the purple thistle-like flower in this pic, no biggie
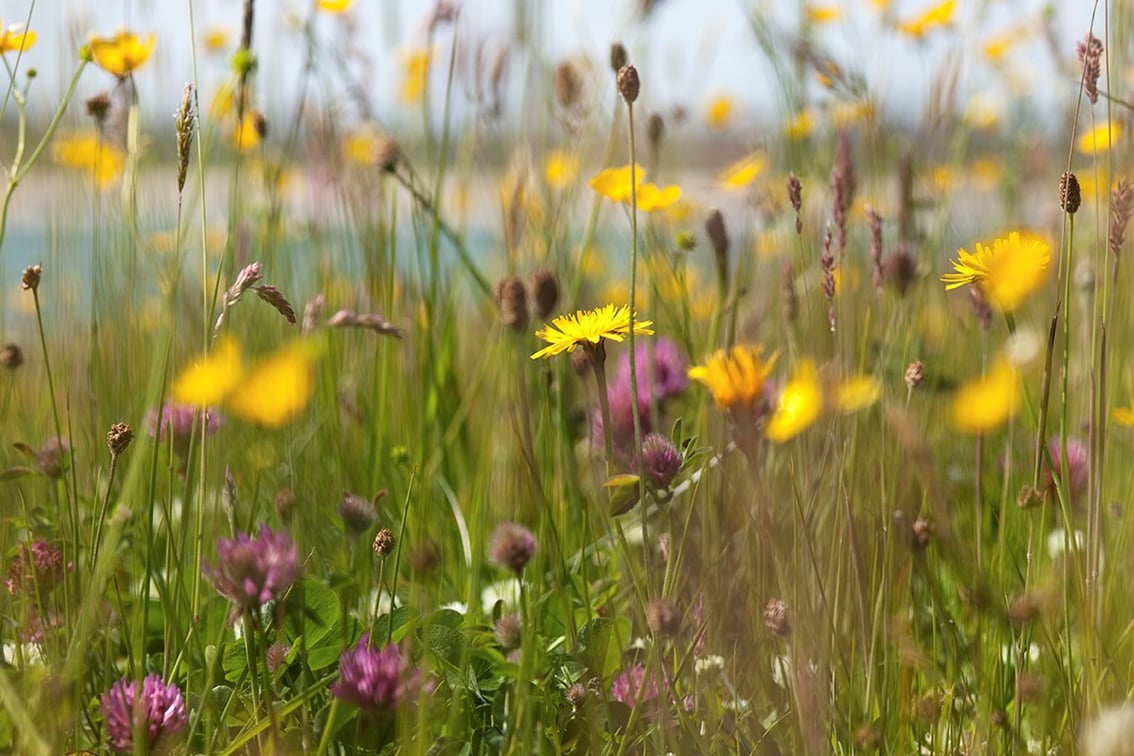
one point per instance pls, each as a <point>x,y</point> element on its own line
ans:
<point>375,679</point>
<point>512,546</point>
<point>661,459</point>
<point>160,712</point>
<point>38,567</point>
<point>671,368</point>
<point>177,419</point>
<point>254,571</point>
<point>629,681</point>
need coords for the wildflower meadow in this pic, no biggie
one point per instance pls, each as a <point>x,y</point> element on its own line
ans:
<point>392,377</point>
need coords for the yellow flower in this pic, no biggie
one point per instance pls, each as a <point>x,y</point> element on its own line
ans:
<point>651,197</point>
<point>277,389</point>
<point>224,101</point>
<point>1123,416</point>
<point>86,151</point>
<point>415,75</point>
<point>361,146</point>
<point>800,125</point>
<point>800,403</point>
<point>334,6</point>
<point>736,378</point>
<point>743,172</point>
<point>719,113</point>
<point>560,169</point>
<point>13,39</point>
<point>216,39</point>
<point>589,328</point>
<point>247,134</point>
<point>938,15</point>
<point>614,183</point>
<point>821,14</point>
<point>847,114</point>
<point>123,53</point>
<point>1006,272</point>
<point>857,393</point>
<point>986,403</point>
<point>210,379</point>
<point>1099,139</point>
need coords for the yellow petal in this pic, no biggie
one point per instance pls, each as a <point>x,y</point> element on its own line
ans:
<point>857,393</point>
<point>210,379</point>
<point>800,403</point>
<point>743,172</point>
<point>650,197</point>
<point>984,404</point>
<point>614,183</point>
<point>1099,139</point>
<point>278,388</point>
<point>334,6</point>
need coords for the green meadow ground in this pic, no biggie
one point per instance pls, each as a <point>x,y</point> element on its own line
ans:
<point>875,515</point>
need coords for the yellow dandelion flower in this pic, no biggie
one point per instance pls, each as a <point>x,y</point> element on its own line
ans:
<point>415,76</point>
<point>937,16</point>
<point>719,113</point>
<point>614,183</point>
<point>249,132</point>
<point>87,152</point>
<point>361,146</point>
<point>216,39</point>
<point>560,169</point>
<point>1123,416</point>
<point>800,125</point>
<point>857,393</point>
<point>334,6</point>
<point>737,378</point>
<point>1006,272</point>
<point>278,388</point>
<point>589,328</point>
<point>210,379</point>
<point>14,39</point>
<point>123,53</point>
<point>1100,139</point>
<point>223,102</point>
<point>821,14</point>
<point>984,404</point>
<point>743,172</point>
<point>800,402</point>
<point>651,197</point>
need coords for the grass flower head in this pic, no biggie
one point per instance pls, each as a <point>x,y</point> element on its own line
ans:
<point>123,53</point>
<point>1006,271</point>
<point>589,328</point>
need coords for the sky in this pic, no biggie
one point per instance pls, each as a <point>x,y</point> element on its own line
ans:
<point>688,52</point>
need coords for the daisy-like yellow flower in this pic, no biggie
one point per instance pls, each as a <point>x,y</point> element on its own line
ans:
<point>560,168</point>
<point>1006,272</point>
<point>857,393</point>
<point>614,183</point>
<point>719,113</point>
<point>651,197</point>
<point>87,152</point>
<point>589,328</point>
<point>821,14</point>
<point>800,125</point>
<point>743,172</point>
<point>415,76</point>
<point>249,132</point>
<point>737,378</point>
<point>216,39</point>
<point>334,6</point>
<point>15,39</point>
<point>800,402</point>
<point>984,404</point>
<point>1100,139</point>
<point>937,16</point>
<point>274,391</point>
<point>123,53</point>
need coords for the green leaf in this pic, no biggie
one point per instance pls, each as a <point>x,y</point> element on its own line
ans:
<point>601,642</point>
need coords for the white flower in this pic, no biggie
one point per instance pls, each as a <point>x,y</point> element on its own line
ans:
<point>1111,733</point>
<point>706,664</point>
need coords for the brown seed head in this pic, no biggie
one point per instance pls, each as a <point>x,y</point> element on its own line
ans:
<point>776,617</point>
<point>922,530</point>
<point>260,123</point>
<point>285,501</point>
<point>655,130</point>
<point>384,542</point>
<point>357,512</point>
<point>11,356</point>
<point>98,107</point>
<point>1023,608</point>
<point>1069,195</point>
<point>663,617</point>
<point>915,374</point>
<point>30,279</point>
<point>576,695</point>
<point>568,85</point>
<point>628,84</point>
<point>1029,497</point>
<point>118,438</point>
<point>900,269</point>
<point>545,292</point>
<point>513,302</point>
<point>184,122</point>
<point>718,235</point>
<point>617,57</point>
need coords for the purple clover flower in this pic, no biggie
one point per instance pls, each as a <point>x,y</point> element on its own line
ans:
<point>38,567</point>
<point>661,459</point>
<point>670,368</point>
<point>177,419</point>
<point>375,679</point>
<point>1078,465</point>
<point>512,546</point>
<point>160,712</point>
<point>254,571</point>
<point>625,687</point>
